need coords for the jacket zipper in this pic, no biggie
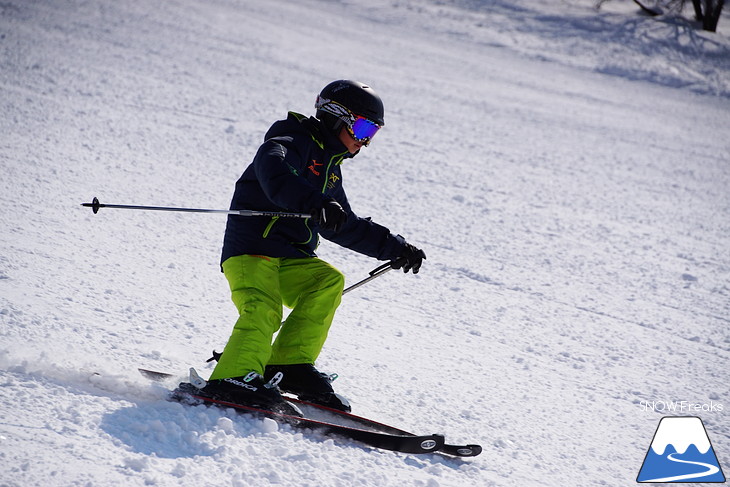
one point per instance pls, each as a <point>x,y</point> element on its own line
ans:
<point>268,228</point>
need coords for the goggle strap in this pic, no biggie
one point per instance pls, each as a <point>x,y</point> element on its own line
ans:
<point>364,130</point>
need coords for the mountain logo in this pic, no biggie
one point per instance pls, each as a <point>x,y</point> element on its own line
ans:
<point>680,452</point>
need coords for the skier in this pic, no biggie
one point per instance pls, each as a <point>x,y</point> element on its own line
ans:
<point>271,262</point>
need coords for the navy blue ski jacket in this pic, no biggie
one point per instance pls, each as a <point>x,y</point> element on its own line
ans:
<point>297,169</point>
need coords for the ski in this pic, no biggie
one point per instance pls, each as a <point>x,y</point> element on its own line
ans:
<point>342,416</point>
<point>189,394</point>
<point>328,415</point>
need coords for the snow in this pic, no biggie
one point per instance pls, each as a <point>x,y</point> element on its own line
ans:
<point>566,170</point>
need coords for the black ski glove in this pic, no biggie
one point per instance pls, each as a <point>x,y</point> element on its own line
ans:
<point>330,216</point>
<point>410,258</point>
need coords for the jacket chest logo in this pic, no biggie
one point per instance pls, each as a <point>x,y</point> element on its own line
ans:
<point>332,181</point>
<point>314,167</point>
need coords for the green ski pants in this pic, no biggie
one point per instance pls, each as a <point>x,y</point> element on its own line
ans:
<point>260,287</point>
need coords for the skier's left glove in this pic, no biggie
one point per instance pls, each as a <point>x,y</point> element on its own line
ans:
<point>410,259</point>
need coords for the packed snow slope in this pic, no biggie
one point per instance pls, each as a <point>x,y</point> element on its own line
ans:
<point>566,170</point>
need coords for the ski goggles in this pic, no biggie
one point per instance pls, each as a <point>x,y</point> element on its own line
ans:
<point>360,128</point>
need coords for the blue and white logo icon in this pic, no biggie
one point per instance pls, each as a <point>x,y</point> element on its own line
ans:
<point>680,452</point>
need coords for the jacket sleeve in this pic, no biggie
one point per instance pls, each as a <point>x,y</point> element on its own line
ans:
<point>364,235</point>
<point>278,170</point>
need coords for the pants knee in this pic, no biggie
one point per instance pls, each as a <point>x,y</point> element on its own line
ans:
<point>335,280</point>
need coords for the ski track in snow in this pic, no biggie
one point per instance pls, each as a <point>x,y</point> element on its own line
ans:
<point>565,170</point>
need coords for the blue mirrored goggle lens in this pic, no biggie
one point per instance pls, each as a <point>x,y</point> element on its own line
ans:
<point>364,129</point>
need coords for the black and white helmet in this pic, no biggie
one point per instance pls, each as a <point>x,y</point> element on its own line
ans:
<point>342,101</point>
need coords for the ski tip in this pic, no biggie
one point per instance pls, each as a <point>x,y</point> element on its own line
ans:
<point>470,450</point>
<point>431,443</point>
<point>462,450</point>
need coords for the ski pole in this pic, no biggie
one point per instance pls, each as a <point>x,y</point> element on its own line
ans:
<point>95,205</point>
<point>377,272</point>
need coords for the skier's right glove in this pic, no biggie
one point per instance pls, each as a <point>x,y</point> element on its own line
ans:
<point>330,216</point>
<point>409,259</point>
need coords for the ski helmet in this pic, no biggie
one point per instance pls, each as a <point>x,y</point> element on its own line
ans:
<point>352,99</point>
